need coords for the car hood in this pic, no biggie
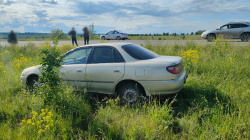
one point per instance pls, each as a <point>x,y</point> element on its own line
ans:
<point>209,31</point>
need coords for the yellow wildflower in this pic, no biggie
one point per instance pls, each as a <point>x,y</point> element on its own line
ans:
<point>40,131</point>
<point>50,113</point>
<point>34,112</point>
<point>190,56</point>
<point>43,113</point>
<point>29,121</point>
<point>42,110</point>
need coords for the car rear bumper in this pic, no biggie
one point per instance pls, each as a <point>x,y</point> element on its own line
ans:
<point>164,87</point>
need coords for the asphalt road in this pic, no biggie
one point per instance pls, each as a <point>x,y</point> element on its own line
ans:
<point>139,42</point>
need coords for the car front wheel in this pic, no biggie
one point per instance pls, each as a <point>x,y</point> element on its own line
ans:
<point>211,37</point>
<point>33,82</point>
<point>245,37</point>
<point>130,93</point>
<point>103,37</point>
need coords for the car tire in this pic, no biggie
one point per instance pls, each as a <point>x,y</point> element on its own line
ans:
<point>118,38</point>
<point>130,93</point>
<point>245,37</point>
<point>211,37</point>
<point>103,38</point>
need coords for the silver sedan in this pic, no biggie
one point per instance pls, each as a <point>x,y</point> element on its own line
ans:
<point>124,69</point>
<point>114,35</point>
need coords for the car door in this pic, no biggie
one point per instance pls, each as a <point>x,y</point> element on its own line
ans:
<point>105,68</point>
<point>223,32</point>
<point>114,35</point>
<point>109,35</point>
<point>74,66</point>
<point>234,31</point>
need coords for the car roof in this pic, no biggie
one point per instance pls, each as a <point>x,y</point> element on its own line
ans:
<point>239,22</point>
<point>116,45</point>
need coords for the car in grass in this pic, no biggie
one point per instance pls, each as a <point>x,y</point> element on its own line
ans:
<point>114,35</point>
<point>123,69</point>
<point>232,30</point>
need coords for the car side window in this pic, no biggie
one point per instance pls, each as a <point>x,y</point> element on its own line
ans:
<point>244,25</point>
<point>232,26</point>
<point>224,27</point>
<point>109,33</point>
<point>117,57</point>
<point>102,55</point>
<point>78,56</point>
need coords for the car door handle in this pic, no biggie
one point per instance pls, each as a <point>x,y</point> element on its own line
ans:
<point>78,70</point>
<point>116,70</point>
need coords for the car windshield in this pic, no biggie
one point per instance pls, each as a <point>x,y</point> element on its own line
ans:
<point>139,52</point>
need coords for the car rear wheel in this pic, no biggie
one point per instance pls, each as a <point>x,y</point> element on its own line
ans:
<point>245,37</point>
<point>211,37</point>
<point>118,38</point>
<point>130,92</point>
<point>103,38</point>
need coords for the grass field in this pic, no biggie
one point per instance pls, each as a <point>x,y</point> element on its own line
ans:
<point>214,104</point>
<point>44,37</point>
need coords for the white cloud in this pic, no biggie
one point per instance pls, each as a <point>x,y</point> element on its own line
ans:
<point>140,16</point>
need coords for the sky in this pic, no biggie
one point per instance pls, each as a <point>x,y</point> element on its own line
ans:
<point>129,16</point>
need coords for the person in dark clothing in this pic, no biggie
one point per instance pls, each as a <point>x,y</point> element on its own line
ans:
<point>12,38</point>
<point>86,35</point>
<point>72,33</point>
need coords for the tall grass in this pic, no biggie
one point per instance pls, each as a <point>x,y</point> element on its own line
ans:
<point>214,103</point>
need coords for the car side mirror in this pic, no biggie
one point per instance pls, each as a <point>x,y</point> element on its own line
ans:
<point>218,29</point>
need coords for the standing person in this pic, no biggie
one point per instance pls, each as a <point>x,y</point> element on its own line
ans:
<point>12,38</point>
<point>86,35</point>
<point>72,33</point>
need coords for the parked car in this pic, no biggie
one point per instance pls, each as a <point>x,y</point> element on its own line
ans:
<point>124,69</point>
<point>114,35</point>
<point>232,30</point>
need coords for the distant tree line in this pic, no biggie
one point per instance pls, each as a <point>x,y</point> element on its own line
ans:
<point>199,32</point>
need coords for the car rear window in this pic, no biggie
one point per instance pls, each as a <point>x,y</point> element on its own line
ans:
<point>139,52</point>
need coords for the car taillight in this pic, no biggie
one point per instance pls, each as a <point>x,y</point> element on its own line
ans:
<point>175,69</point>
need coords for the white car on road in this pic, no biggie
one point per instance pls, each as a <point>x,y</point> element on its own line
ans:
<point>114,35</point>
<point>124,69</point>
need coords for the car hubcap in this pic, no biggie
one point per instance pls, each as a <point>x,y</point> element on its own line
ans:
<point>245,37</point>
<point>210,37</point>
<point>130,95</point>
